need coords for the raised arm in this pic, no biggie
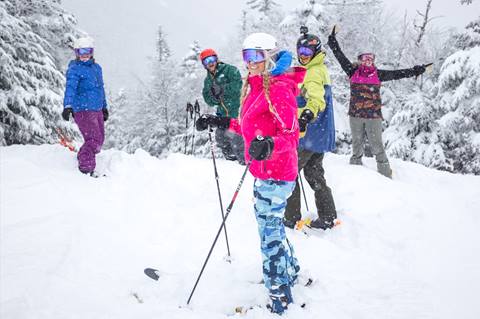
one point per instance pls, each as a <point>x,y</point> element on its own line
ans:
<point>389,75</point>
<point>345,63</point>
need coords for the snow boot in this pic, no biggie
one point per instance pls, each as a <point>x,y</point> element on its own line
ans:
<point>322,223</point>
<point>384,169</point>
<point>288,223</point>
<point>280,298</point>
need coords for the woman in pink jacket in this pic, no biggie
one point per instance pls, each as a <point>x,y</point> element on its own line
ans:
<point>269,125</point>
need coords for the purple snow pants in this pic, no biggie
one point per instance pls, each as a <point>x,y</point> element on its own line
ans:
<point>91,126</point>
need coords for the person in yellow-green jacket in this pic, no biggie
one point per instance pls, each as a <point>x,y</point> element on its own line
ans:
<point>317,133</point>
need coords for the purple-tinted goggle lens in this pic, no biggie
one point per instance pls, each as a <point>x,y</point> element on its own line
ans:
<point>209,60</point>
<point>305,51</point>
<point>84,51</point>
<point>253,55</point>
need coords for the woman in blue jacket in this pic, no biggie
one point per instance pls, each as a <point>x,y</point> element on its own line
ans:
<point>85,101</point>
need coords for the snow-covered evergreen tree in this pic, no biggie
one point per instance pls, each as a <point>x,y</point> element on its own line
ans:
<point>264,16</point>
<point>263,6</point>
<point>191,64</point>
<point>117,126</point>
<point>155,119</point>
<point>163,50</point>
<point>33,52</point>
<point>190,90</point>
<point>312,14</point>
<point>413,132</point>
<point>459,101</point>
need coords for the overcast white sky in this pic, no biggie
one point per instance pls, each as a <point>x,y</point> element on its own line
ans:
<point>124,30</point>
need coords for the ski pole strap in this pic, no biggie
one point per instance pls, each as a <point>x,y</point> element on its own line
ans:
<point>224,107</point>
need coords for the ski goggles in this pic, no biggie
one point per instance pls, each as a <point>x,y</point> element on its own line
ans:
<point>84,51</point>
<point>364,57</point>
<point>305,51</point>
<point>253,56</point>
<point>209,60</point>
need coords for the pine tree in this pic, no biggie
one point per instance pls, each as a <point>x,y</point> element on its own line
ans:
<point>459,100</point>
<point>189,91</point>
<point>265,16</point>
<point>191,64</point>
<point>163,50</point>
<point>263,6</point>
<point>413,132</point>
<point>116,128</point>
<point>33,51</point>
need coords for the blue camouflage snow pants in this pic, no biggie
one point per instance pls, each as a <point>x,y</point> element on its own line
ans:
<point>280,267</point>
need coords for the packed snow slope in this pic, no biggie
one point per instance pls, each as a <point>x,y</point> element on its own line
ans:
<point>75,247</point>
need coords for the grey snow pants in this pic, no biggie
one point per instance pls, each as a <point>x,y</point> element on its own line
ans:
<point>372,129</point>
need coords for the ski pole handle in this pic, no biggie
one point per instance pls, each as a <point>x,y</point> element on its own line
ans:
<point>197,107</point>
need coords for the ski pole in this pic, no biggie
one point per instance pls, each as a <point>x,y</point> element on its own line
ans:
<point>303,190</point>
<point>229,209</point>
<point>210,130</point>
<point>189,111</point>
<point>196,111</point>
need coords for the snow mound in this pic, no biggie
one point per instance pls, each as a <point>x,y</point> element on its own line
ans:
<point>75,247</point>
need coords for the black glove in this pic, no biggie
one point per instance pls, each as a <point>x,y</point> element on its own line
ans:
<point>211,120</point>
<point>305,118</point>
<point>419,69</point>
<point>105,114</point>
<point>66,113</point>
<point>261,148</point>
<point>331,37</point>
<point>217,91</point>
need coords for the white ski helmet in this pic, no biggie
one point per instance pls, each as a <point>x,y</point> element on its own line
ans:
<point>84,42</point>
<point>262,41</point>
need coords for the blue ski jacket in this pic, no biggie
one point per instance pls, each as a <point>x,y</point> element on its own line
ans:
<point>84,90</point>
<point>317,96</point>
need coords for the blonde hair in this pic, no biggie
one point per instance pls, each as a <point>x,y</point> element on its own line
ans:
<point>266,89</point>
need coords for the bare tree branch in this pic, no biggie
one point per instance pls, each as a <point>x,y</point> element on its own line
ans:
<point>423,27</point>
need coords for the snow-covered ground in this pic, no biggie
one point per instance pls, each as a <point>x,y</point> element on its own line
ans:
<point>75,247</point>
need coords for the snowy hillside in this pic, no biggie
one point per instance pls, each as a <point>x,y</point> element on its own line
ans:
<point>75,247</point>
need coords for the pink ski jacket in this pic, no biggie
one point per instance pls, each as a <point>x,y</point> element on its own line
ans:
<point>281,123</point>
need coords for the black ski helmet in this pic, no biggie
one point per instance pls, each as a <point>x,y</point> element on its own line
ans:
<point>310,41</point>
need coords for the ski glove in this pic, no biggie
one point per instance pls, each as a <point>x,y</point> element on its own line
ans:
<point>66,113</point>
<point>419,69</point>
<point>332,38</point>
<point>105,114</point>
<point>305,118</point>
<point>217,91</point>
<point>211,120</point>
<point>261,148</point>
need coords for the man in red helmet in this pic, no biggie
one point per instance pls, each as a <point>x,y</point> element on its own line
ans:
<point>221,89</point>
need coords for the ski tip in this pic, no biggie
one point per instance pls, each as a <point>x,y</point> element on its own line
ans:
<point>152,273</point>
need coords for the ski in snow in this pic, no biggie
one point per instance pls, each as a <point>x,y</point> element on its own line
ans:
<point>152,273</point>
